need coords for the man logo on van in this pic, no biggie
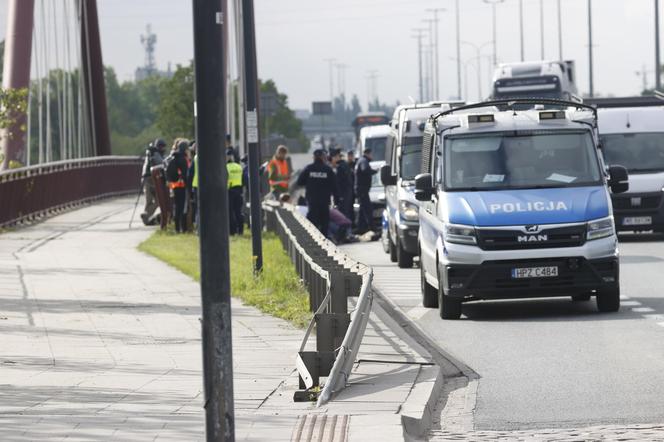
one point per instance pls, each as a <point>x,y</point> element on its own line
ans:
<point>537,206</point>
<point>532,238</point>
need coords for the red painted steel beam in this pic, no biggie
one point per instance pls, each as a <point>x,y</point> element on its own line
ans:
<point>16,73</point>
<point>93,76</point>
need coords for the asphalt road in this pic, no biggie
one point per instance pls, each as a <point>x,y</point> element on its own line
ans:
<point>552,363</point>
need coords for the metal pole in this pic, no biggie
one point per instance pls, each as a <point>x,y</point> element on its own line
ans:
<point>419,64</point>
<point>93,73</point>
<point>436,72</point>
<point>16,72</point>
<point>252,133</point>
<point>590,49</point>
<point>331,61</point>
<point>658,64</point>
<point>542,28</point>
<point>560,32</point>
<point>495,50</point>
<point>523,58</point>
<point>458,50</point>
<point>209,64</point>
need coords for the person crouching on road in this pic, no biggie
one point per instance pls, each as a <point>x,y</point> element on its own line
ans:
<point>363,177</point>
<point>176,174</point>
<point>235,200</point>
<point>320,183</point>
<point>279,173</point>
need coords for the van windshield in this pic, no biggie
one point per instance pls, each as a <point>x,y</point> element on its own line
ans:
<point>518,160</point>
<point>638,152</point>
<point>411,158</point>
<point>377,146</point>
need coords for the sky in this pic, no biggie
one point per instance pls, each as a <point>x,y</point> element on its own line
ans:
<point>295,37</point>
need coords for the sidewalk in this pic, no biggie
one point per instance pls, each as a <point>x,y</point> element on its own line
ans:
<point>103,342</point>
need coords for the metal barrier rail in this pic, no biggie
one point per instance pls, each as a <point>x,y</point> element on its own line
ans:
<point>29,193</point>
<point>331,277</point>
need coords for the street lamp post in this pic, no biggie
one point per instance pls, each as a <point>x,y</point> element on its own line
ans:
<point>418,36</point>
<point>521,28</point>
<point>560,32</point>
<point>658,64</point>
<point>478,50</point>
<point>493,4</point>
<point>331,62</point>
<point>436,62</point>
<point>458,50</point>
<point>542,28</point>
<point>590,49</point>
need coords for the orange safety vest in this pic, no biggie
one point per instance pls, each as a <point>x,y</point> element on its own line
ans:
<point>179,184</point>
<point>282,173</point>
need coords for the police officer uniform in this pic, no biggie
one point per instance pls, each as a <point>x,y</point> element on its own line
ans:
<point>363,177</point>
<point>320,183</point>
<point>235,200</point>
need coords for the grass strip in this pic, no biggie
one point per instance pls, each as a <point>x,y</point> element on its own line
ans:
<point>278,291</point>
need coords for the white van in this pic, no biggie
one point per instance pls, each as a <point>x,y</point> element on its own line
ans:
<point>374,137</point>
<point>541,79</point>
<point>634,138</point>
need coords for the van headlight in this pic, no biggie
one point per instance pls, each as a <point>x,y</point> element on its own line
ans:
<point>600,228</point>
<point>459,234</point>
<point>409,211</point>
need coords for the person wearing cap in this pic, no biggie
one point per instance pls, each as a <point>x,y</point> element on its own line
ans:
<point>363,176</point>
<point>176,175</point>
<point>154,156</point>
<point>235,200</point>
<point>278,172</point>
<point>320,183</point>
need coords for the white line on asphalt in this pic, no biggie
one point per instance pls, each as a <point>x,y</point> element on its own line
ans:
<point>661,323</point>
<point>630,303</point>
<point>643,310</point>
<point>655,317</point>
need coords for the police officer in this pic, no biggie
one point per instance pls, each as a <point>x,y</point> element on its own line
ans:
<point>320,183</point>
<point>154,156</point>
<point>235,199</point>
<point>363,176</point>
<point>344,177</point>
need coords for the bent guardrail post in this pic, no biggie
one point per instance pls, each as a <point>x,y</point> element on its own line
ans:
<point>331,277</point>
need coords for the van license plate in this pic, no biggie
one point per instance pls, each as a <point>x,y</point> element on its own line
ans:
<point>535,272</point>
<point>637,221</point>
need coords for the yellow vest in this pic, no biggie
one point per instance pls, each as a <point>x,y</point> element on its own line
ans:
<point>234,175</point>
<point>194,181</point>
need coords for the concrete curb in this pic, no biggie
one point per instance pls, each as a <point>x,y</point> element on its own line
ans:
<point>417,414</point>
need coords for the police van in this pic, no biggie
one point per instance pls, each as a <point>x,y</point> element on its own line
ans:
<point>541,79</point>
<point>374,138</point>
<point>633,137</point>
<point>516,204</point>
<point>403,162</point>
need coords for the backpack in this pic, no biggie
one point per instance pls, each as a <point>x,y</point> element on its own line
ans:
<point>172,170</point>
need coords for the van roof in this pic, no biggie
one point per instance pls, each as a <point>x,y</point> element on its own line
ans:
<point>512,121</point>
<point>380,130</point>
<point>630,120</point>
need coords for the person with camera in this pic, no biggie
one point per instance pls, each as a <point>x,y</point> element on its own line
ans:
<point>154,156</point>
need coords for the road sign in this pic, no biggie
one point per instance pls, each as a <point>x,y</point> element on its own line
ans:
<point>322,107</point>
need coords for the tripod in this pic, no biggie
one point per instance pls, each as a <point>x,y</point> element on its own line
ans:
<point>138,197</point>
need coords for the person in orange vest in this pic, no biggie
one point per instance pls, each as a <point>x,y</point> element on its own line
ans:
<point>176,176</point>
<point>278,172</point>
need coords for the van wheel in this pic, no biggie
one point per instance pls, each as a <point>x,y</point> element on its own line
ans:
<point>429,292</point>
<point>608,299</point>
<point>404,259</point>
<point>581,298</point>
<point>449,308</point>
<point>393,250</point>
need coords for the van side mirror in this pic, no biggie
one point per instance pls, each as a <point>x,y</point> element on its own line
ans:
<point>618,179</point>
<point>386,176</point>
<point>424,187</point>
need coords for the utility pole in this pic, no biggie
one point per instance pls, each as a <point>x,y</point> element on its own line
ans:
<point>252,137</point>
<point>493,4</point>
<point>341,79</point>
<point>430,61</point>
<point>436,62</point>
<point>418,37</point>
<point>458,50</point>
<point>210,29</point>
<point>590,49</point>
<point>331,62</point>
<point>560,33</point>
<point>542,29</point>
<point>372,94</point>
<point>523,58</point>
<point>658,64</point>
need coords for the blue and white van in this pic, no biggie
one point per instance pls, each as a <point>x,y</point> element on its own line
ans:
<point>516,204</point>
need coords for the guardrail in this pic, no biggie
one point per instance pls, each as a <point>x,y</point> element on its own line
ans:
<point>331,277</point>
<point>30,193</point>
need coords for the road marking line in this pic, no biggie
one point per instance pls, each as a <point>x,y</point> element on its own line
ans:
<point>643,310</point>
<point>624,297</point>
<point>630,303</point>
<point>661,323</point>
<point>655,317</point>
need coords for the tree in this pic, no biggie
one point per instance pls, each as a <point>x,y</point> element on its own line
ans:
<point>13,105</point>
<point>175,117</point>
<point>283,121</point>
